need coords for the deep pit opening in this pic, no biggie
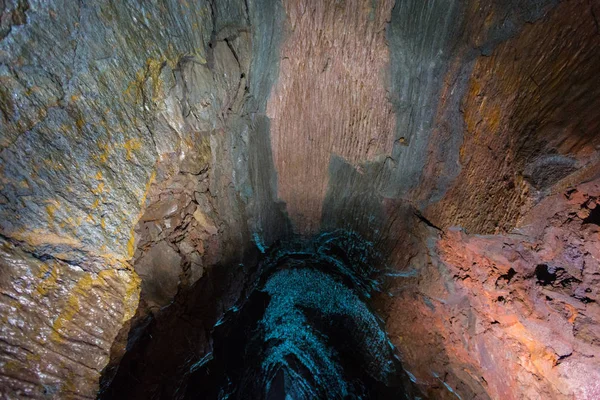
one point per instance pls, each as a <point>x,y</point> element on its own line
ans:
<point>302,327</point>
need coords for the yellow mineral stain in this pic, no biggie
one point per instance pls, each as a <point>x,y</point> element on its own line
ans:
<point>53,165</point>
<point>200,218</point>
<point>131,241</point>
<point>146,190</point>
<point>69,384</point>
<point>494,118</point>
<point>99,175</point>
<point>44,268</point>
<point>13,365</point>
<point>69,311</point>
<point>48,280</point>
<point>80,123</point>
<point>83,289</point>
<point>131,145</point>
<point>99,189</point>
<point>149,74</point>
<point>32,90</point>
<point>39,237</point>
<point>199,55</point>
<point>542,358</point>
<point>131,244</point>
<point>105,150</point>
<point>573,313</point>
<point>33,357</point>
<point>204,150</point>
<point>51,207</point>
<point>132,295</point>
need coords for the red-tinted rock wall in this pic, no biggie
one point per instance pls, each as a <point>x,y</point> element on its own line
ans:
<point>509,316</point>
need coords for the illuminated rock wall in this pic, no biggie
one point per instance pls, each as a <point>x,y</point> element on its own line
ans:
<point>150,152</point>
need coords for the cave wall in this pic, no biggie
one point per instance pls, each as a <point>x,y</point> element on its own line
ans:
<point>506,316</point>
<point>83,87</point>
<point>519,204</point>
<point>530,121</point>
<point>330,98</point>
<point>122,124</point>
<point>146,146</point>
<point>494,106</point>
<point>432,49</point>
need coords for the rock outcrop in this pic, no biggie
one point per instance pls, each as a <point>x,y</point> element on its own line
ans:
<point>511,315</point>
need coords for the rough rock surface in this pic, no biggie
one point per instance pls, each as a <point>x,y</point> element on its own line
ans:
<point>520,137</point>
<point>150,150</point>
<point>58,323</point>
<point>508,316</point>
<point>332,80</point>
<point>83,87</point>
<point>101,104</point>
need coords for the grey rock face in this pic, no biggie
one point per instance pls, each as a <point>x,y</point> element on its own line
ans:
<point>99,101</point>
<point>549,169</point>
<point>83,84</point>
<point>426,39</point>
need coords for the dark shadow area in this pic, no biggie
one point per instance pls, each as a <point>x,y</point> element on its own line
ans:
<point>300,328</point>
<point>594,217</point>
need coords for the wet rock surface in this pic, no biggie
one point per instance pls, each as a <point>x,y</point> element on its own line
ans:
<point>113,119</point>
<point>58,322</point>
<point>150,152</point>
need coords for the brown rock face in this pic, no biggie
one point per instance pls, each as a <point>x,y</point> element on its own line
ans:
<point>159,279</point>
<point>58,323</point>
<point>510,316</point>
<point>330,99</point>
<point>520,134</point>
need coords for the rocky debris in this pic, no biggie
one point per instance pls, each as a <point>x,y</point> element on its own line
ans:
<point>174,236</point>
<point>159,272</point>
<point>512,316</point>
